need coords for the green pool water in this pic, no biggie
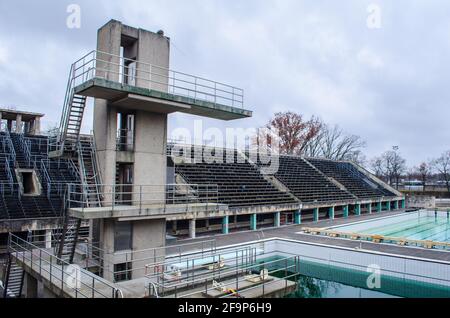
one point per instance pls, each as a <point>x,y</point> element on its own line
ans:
<point>316,280</point>
<point>424,226</point>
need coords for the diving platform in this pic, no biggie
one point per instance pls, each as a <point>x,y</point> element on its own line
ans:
<point>133,97</point>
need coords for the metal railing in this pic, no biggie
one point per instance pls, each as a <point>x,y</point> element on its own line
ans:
<point>142,260</point>
<point>8,171</point>
<point>97,64</point>
<point>24,146</point>
<point>70,280</point>
<point>143,196</point>
<point>10,145</point>
<point>125,140</point>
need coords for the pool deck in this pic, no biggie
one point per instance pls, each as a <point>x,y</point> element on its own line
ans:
<point>291,232</point>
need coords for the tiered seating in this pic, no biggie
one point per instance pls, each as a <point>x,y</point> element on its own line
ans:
<point>239,184</point>
<point>15,206</point>
<point>59,172</point>
<point>352,179</point>
<point>38,145</point>
<point>306,183</point>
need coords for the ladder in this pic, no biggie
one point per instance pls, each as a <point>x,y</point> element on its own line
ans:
<point>69,238</point>
<point>14,277</point>
<point>13,280</point>
<point>71,118</point>
<point>90,177</point>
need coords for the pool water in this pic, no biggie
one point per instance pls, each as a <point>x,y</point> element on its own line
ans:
<point>316,280</point>
<point>420,226</point>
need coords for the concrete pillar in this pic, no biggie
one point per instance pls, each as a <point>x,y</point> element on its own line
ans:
<point>253,222</point>
<point>403,204</point>
<point>276,219</point>
<point>174,227</point>
<point>37,126</point>
<point>316,214</point>
<point>48,238</point>
<point>31,286</point>
<point>331,212</point>
<point>396,205</point>
<point>9,125</point>
<point>369,208</point>
<point>18,123</point>
<point>358,209</point>
<point>192,228</point>
<point>379,207</point>
<point>207,224</point>
<point>388,205</point>
<point>225,227</point>
<point>345,208</point>
<point>298,217</point>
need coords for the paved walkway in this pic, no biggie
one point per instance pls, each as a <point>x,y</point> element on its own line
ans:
<point>291,232</point>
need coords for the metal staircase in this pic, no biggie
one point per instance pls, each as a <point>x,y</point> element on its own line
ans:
<point>14,277</point>
<point>71,118</point>
<point>69,239</point>
<point>13,280</point>
<point>90,181</point>
<point>90,177</point>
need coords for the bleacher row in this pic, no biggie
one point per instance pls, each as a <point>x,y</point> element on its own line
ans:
<point>13,155</point>
<point>311,181</point>
<point>240,182</point>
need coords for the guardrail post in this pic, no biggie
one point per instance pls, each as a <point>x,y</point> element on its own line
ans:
<point>140,199</point>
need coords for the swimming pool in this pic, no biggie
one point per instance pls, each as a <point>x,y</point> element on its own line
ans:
<point>422,225</point>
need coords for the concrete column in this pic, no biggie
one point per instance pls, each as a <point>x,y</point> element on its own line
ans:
<point>358,209</point>
<point>298,217</point>
<point>345,208</point>
<point>403,204</point>
<point>316,214</point>
<point>369,208</point>
<point>9,125</point>
<point>207,224</point>
<point>379,207</point>
<point>225,227</point>
<point>18,123</point>
<point>31,286</point>
<point>388,205</point>
<point>37,126</point>
<point>192,229</point>
<point>253,222</point>
<point>276,219</point>
<point>396,205</point>
<point>48,238</point>
<point>331,212</point>
<point>174,227</point>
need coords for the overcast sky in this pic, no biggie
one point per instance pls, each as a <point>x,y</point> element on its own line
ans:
<point>390,85</point>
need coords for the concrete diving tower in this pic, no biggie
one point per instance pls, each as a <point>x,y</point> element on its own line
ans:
<point>134,90</point>
<point>130,70</point>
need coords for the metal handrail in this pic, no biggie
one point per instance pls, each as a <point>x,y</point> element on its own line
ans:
<point>89,67</point>
<point>43,259</point>
<point>142,196</point>
<point>8,171</point>
<point>10,145</point>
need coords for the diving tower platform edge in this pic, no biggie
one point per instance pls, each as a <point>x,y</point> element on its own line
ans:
<point>127,96</point>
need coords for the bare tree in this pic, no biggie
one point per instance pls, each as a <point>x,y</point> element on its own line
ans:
<point>395,166</point>
<point>442,166</point>
<point>333,143</point>
<point>390,166</point>
<point>295,133</point>
<point>378,167</point>
<point>423,171</point>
